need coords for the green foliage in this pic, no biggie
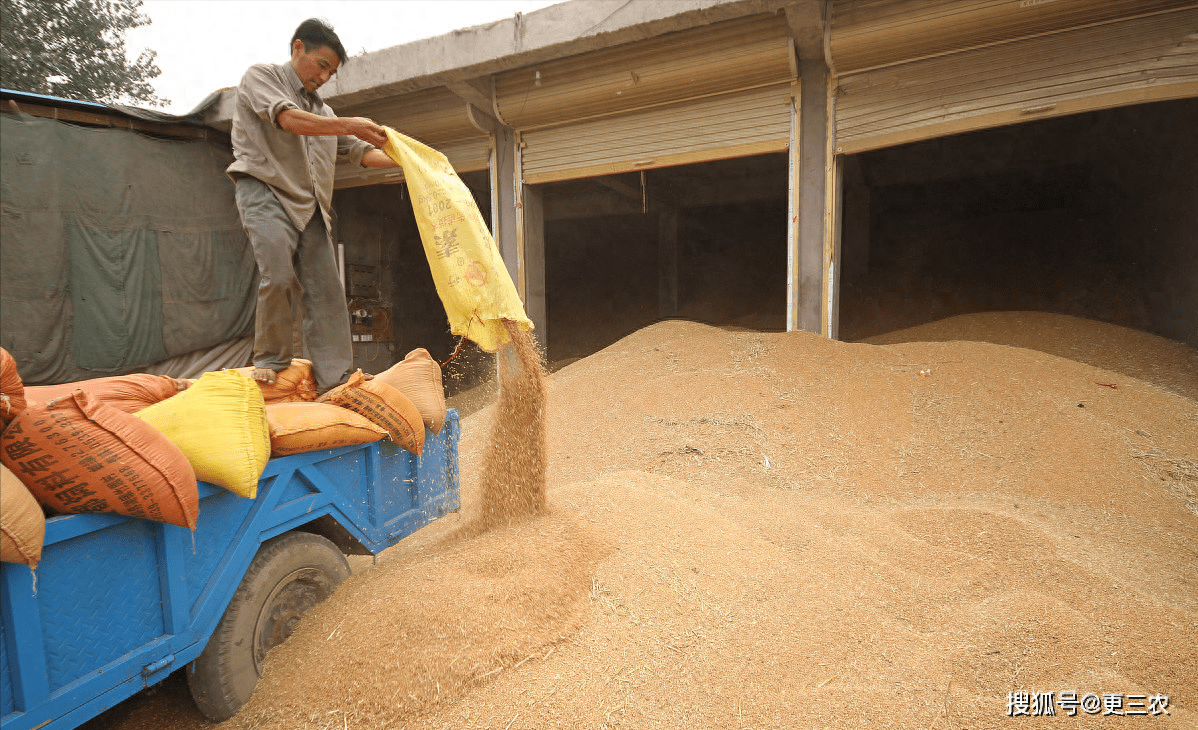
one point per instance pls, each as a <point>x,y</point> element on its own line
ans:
<point>75,49</point>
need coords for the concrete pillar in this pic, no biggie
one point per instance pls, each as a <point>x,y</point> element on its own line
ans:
<point>504,215</point>
<point>667,262</point>
<point>812,133</point>
<point>535,300</point>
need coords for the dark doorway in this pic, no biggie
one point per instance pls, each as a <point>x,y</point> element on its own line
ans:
<point>1093,215</point>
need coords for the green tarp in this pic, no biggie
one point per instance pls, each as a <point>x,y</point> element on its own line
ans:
<point>117,250</point>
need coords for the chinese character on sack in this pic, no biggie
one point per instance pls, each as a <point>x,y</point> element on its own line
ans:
<point>447,243</point>
<point>1112,704</point>
<point>1017,704</point>
<point>39,464</point>
<point>1158,704</point>
<point>90,463</point>
<point>92,505</point>
<point>77,493</point>
<point>108,456</point>
<point>20,448</point>
<point>1042,704</point>
<point>57,480</point>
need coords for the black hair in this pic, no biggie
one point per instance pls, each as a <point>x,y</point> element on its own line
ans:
<point>315,33</point>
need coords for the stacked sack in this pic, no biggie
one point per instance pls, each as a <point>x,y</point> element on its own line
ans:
<point>132,445</point>
<point>296,384</point>
<point>22,524</point>
<point>138,444</point>
<point>401,403</point>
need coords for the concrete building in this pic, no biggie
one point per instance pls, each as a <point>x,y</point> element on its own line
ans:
<point>844,167</point>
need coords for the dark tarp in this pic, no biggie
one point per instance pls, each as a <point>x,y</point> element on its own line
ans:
<point>117,250</point>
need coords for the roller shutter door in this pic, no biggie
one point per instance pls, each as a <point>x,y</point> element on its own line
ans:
<point>737,124</point>
<point>871,33</point>
<point>1147,58</point>
<point>741,54</point>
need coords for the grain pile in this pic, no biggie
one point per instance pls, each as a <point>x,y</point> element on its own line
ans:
<point>781,531</point>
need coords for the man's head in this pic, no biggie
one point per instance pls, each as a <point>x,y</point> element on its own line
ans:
<point>316,52</point>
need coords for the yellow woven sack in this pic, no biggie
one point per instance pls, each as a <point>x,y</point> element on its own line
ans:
<point>471,278</point>
<point>220,426</point>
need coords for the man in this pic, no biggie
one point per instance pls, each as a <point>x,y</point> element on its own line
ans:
<point>285,144</point>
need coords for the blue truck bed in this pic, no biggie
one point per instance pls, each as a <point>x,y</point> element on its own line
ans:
<point>118,602</point>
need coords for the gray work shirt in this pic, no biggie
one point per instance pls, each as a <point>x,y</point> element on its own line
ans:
<point>297,167</point>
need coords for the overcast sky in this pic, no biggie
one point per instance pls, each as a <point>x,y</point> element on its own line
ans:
<point>205,45</point>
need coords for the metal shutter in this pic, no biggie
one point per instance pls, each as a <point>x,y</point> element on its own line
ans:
<point>1149,58</point>
<point>715,59</point>
<point>737,124</point>
<point>870,33</point>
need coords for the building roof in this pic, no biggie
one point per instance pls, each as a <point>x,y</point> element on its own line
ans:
<point>560,30</point>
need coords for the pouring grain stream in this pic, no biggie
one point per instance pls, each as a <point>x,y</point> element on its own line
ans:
<point>513,475</point>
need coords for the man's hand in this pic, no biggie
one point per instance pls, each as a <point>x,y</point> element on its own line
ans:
<point>366,130</point>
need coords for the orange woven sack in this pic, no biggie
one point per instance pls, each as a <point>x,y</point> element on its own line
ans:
<point>12,391</point>
<point>22,524</point>
<point>77,454</point>
<point>418,377</point>
<point>298,427</point>
<point>128,393</point>
<point>296,383</point>
<point>383,405</point>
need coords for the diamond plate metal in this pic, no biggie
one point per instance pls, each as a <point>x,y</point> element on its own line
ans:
<point>104,601</point>
<point>220,516</point>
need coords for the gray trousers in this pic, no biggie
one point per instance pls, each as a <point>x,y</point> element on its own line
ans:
<point>292,263</point>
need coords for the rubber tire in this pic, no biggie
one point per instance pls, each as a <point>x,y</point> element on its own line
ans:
<point>290,574</point>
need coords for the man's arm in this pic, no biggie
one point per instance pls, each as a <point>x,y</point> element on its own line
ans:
<point>297,121</point>
<point>378,158</point>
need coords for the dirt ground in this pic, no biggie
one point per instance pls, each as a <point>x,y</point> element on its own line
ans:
<point>776,530</point>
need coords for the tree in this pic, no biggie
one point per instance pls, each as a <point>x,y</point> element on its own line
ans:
<point>75,49</point>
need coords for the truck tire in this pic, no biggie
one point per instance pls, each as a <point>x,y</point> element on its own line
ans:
<point>290,574</point>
